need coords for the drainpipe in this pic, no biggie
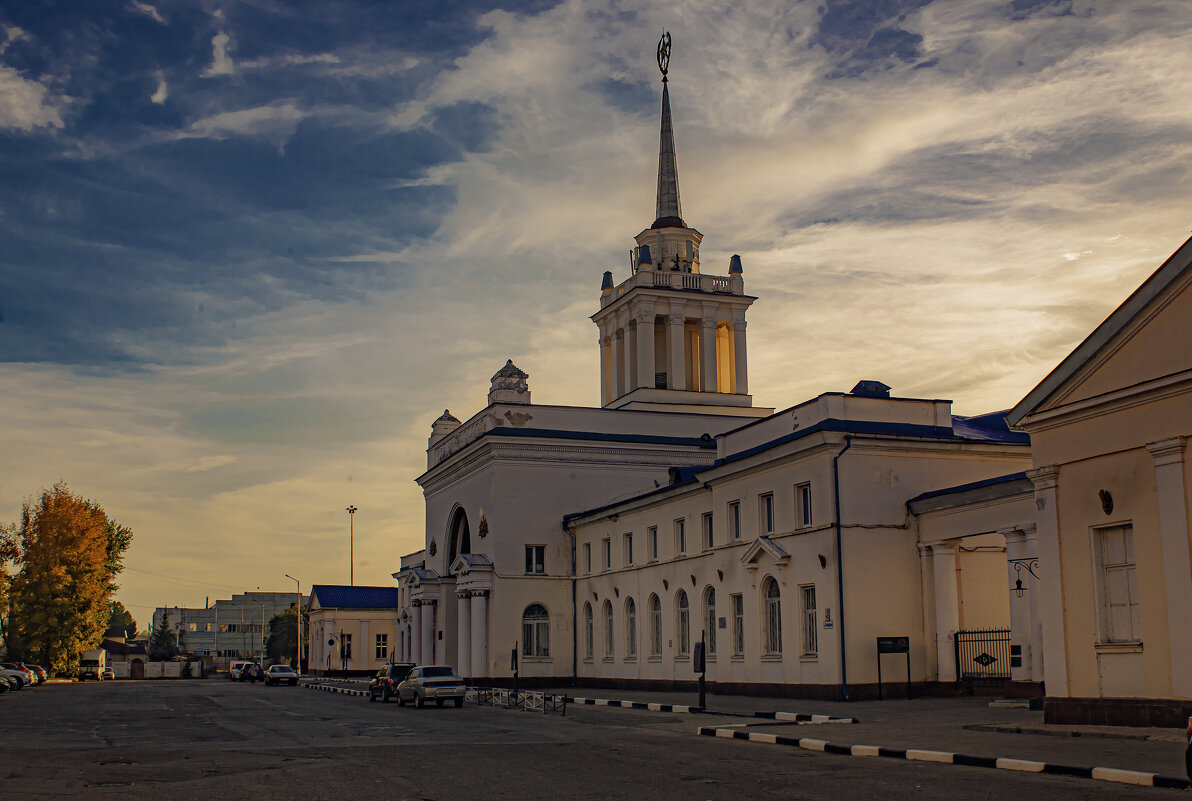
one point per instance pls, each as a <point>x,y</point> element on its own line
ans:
<point>848,443</point>
<point>574,621</point>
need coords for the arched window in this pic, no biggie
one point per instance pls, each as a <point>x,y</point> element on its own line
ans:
<point>655,626</point>
<point>535,631</point>
<point>459,540</point>
<point>630,629</point>
<point>710,621</point>
<point>682,624</point>
<point>588,635</point>
<point>608,629</point>
<point>773,617</point>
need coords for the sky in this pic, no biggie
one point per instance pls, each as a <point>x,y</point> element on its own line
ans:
<point>249,251</point>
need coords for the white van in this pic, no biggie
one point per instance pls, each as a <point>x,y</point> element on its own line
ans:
<point>234,670</point>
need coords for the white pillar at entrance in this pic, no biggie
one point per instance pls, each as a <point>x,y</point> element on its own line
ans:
<point>463,619</point>
<point>707,354</point>
<point>1032,549</point>
<point>1177,580</point>
<point>927,580</point>
<point>676,368</point>
<point>739,354</point>
<point>1020,610</point>
<point>1051,592</point>
<point>645,347</point>
<point>947,609</point>
<point>479,634</point>
<point>416,632</point>
<point>428,632</point>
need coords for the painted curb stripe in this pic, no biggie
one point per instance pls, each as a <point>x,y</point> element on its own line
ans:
<point>1116,775</point>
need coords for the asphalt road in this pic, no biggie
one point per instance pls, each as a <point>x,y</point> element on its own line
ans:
<point>219,740</point>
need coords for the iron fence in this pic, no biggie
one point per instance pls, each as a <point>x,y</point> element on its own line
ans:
<point>982,654</point>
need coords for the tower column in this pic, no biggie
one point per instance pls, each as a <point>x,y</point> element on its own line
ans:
<point>739,354</point>
<point>463,641</point>
<point>645,347</point>
<point>606,358</point>
<point>707,352</point>
<point>617,372</point>
<point>676,369</point>
<point>630,371</point>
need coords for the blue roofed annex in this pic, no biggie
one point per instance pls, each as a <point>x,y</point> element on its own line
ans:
<point>342,597</point>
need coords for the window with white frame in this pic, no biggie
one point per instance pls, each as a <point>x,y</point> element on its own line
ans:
<point>772,621</point>
<point>382,647</point>
<point>737,602</point>
<point>765,512</point>
<point>608,629</point>
<point>1117,586</point>
<point>810,622</point>
<point>682,625</point>
<point>655,608</point>
<point>709,539</point>
<point>630,629</point>
<point>734,520</point>
<point>680,537</point>
<point>652,542</point>
<point>629,548</point>
<point>535,632</point>
<point>535,559</point>
<point>588,557</point>
<point>710,621</point>
<point>606,554</point>
<point>803,505</point>
<point>588,634</point>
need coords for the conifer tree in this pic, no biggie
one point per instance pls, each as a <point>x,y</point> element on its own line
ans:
<point>163,642</point>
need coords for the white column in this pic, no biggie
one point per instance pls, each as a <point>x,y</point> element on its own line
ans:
<point>1051,584</point>
<point>463,641</point>
<point>606,357</point>
<point>479,634</point>
<point>947,609</point>
<point>428,631</point>
<point>416,632</point>
<point>707,354</point>
<point>618,369</point>
<point>362,656</point>
<point>630,371</point>
<point>676,368</point>
<point>1020,610</point>
<point>927,581</point>
<point>1035,603</point>
<point>740,360</point>
<point>645,347</point>
<point>1177,568</point>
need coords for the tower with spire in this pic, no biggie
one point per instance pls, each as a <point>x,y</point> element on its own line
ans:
<point>672,337</point>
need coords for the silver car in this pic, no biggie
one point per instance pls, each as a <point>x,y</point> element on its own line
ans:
<point>436,683</point>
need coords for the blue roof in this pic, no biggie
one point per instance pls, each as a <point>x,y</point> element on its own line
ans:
<point>988,482</point>
<point>342,597</point>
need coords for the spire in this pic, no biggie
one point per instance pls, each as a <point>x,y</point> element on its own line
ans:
<point>669,214</point>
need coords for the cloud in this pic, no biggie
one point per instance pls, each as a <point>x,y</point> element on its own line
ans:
<point>277,121</point>
<point>27,105</point>
<point>147,10</point>
<point>221,62</point>
<point>161,92</point>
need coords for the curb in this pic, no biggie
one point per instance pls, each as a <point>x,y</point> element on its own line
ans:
<point>652,707</point>
<point>799,717</point>
<point>326,689</point>
<point>1116,775</point>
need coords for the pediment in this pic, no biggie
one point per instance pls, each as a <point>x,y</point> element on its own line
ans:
<point>763,545</point>
<point>467,563</point>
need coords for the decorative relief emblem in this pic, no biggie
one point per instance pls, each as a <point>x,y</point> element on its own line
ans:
<point>483,530</point>
<point>434,548</point>
<point>1106,501</point>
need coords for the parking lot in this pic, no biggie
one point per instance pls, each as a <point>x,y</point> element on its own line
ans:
<point>218,739</point>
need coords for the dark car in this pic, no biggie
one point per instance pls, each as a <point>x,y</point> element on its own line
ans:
<point>384,684</point>
<point>276,674</point>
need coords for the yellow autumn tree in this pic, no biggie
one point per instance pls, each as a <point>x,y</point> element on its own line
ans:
<point>70,554</point>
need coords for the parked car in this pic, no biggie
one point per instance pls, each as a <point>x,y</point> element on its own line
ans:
<point>236,670</point>
<point>431,683</point>
<point>19,677</point>
<point>28,677</point>
<point>42,674</point>
<point>384,684</point>
<point>276,674</point>
<point>108,674</point>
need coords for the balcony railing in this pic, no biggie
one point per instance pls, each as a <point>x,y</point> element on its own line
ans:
<point>667,279</point>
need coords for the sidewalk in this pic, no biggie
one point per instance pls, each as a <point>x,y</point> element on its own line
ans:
<point>960,725</point>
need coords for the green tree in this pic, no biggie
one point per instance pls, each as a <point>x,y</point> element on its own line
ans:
<point>163,642</point>
<point>283,634</point>
<point>60,598</point>
<point>121,618</point>
<point>9,552</point>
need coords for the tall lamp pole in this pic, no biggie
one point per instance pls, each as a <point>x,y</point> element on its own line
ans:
<point>351,510</point>
<point>298,648</point>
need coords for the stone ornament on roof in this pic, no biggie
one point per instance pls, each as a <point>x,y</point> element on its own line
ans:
<point>510,377</point>
<point>446,417</point>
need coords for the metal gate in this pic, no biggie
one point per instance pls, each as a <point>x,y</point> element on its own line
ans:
<point>983,654</point>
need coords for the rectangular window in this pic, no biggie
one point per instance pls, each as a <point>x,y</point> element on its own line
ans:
<point>652,542</point>
<point>629,548</point>
<point>680,537</point>
<point>535,559</point>
<point>345,647</point>
<point>206,627</point>
<point>734,520</point>
<point>709,540</point>
<point>810,627</point>
<point>192,626</point>
<point>765,513</point>
<point>588,557</point>
<point>606,554</point>
<point>1117,586</point>
<point>382,647</point>
<point>803,505</point>
<point>738,606</point>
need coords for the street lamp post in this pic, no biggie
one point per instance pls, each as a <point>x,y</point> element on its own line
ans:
<point>351,510</point>
<point>298,647</point>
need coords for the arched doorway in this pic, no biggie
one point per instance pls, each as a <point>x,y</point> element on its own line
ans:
<point>460,538</point>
